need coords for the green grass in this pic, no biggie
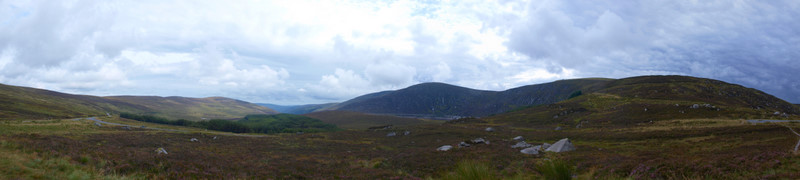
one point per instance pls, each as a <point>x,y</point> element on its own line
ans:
<point>16,164</point>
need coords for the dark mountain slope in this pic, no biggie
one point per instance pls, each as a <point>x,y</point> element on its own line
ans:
<point>651,98</point>
<point>30,103</point>
<point>439,99</point>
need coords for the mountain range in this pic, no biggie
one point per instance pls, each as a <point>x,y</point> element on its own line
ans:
<point>599,98</point>
<point>445,101</point>
<point>31,103</point>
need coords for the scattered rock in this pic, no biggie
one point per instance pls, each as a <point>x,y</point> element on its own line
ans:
<point>463,144</point>
<point>391,134</point>
<point>676,105</point>
<point>645,109</point>
<point>562,145</point>
<point>161,151</point>
<point>785,115</point>
<point>776,113</point>
<point>479,141</point>
<point>126,128</point>
<point>521,144</point>
<point>518,138</point>
<point>695,106</point>
<point>406,133</point>
<point>194,140</point>
<point>444,148</point>
<point>98,124</point>
<point>215,137</point>
<point>380,127</point>
<point>489,129</point>
<point>546,145</point>
<point>530,150</point>
<point>558,128</point>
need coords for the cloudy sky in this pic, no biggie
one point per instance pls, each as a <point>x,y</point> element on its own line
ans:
<point>297,52</point>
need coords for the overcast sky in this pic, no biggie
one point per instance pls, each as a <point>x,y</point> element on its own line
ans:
<point>298,52</point>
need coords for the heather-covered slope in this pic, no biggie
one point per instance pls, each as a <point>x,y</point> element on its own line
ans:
<point>652,98</point>
<point>30,103</point>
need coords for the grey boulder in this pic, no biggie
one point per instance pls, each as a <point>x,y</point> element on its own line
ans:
<point>479,141</point>
<point>521,144</point>
<point>562,145</point>
<point>463,144</point>
<point>530,150</point>
<point>546,145</point>
<point>518,138</point>
<point>444,148</point>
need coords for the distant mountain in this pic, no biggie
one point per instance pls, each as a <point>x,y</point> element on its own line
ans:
<point>298,109</point>
<point>445,100</point>
<point>31,103</point>
<point>356,120</point>
<point>652,98</point>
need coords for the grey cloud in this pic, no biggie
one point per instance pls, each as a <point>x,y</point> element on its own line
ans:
<point>749,42</point>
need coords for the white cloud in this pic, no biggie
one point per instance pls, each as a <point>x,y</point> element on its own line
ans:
<point>390,74</point>
<point>341,84</point>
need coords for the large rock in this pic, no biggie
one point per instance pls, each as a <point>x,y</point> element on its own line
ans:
<point>391,134</point>
<point>98,124</point>
<point>444,148</point>
<point>558,128</point>
<point>562,145</point>
<point>489,129</point>
<point>521,144</point>
<point>530,150</point>
<point>194,140</point>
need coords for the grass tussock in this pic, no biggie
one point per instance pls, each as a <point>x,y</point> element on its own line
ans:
<point>470,170</point>
<point>555,169</point>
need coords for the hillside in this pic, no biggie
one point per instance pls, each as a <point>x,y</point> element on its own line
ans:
<point>356,120</point>
<point>194,108</point>
<point>31,103</point>
<point>444,100</point>
<point>645,99</point>
<point>298,109</point>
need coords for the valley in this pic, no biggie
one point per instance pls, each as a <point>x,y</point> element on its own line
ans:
<point>648,127</point>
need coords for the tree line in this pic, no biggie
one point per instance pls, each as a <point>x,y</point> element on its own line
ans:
<point>266,124</point>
